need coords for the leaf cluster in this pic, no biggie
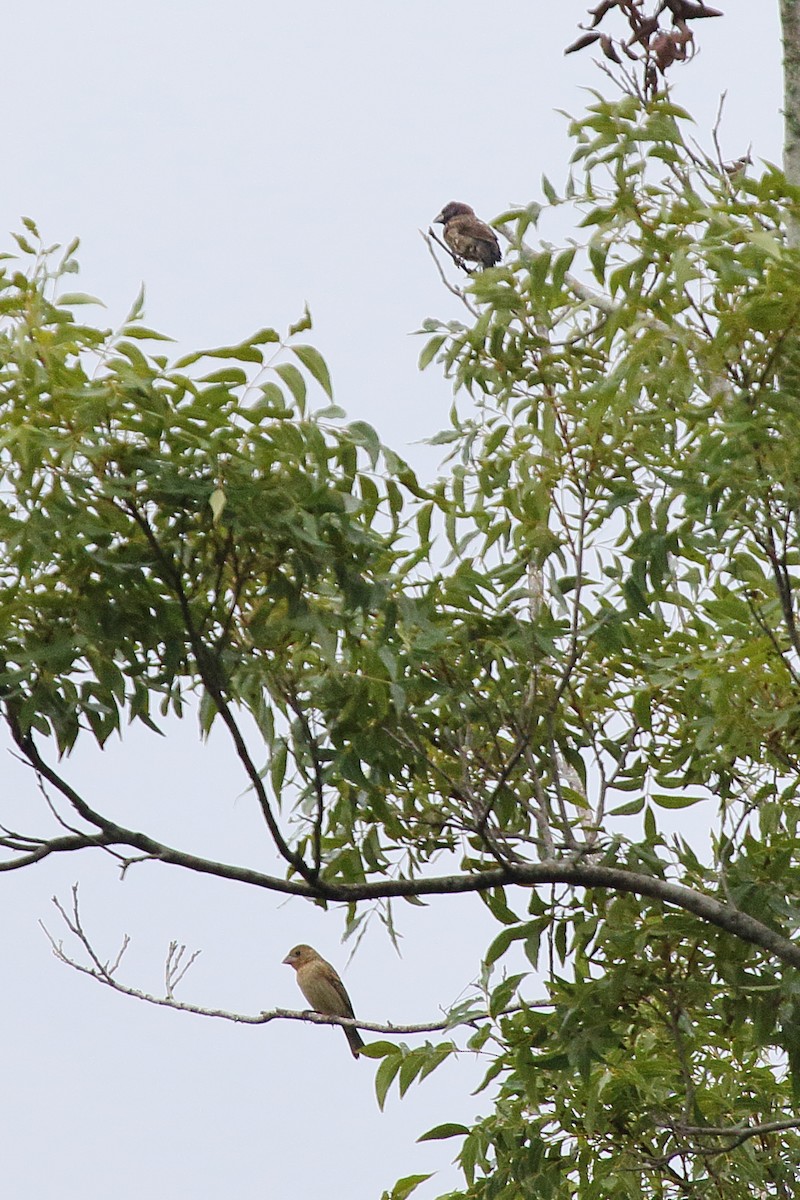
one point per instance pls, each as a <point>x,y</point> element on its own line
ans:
<point>572,659</point>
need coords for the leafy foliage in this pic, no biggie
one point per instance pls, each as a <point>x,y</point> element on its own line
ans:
<point>636,448</point>
<point>519,676</point>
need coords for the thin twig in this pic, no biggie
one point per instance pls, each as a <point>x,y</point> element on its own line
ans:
<point>175,972</point>
<point>451,287</point>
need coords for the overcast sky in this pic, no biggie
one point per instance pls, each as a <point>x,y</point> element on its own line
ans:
<point>242,160</point>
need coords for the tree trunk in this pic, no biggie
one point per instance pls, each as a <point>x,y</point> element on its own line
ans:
<point>790,21</point>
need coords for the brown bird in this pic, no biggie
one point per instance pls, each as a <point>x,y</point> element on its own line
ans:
<point>323,989</point>
<point>468,237</point>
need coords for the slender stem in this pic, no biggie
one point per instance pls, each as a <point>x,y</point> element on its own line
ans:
<point>790,22</point>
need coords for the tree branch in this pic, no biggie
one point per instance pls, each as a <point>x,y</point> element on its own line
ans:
<point>37,849</point>
<point>213,681</point>
<point>175,970</point>
<point>528,875</point>
<point>431,236</point>
<point>738,1133</point>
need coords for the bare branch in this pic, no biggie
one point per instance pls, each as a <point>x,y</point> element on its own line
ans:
<point>737,1133</point>
<point>428,238</point>
<point>175,970</point>
<point>32,850</point>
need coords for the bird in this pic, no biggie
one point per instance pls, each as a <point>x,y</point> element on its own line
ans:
<point>323,989</point>
<point>467,236</point>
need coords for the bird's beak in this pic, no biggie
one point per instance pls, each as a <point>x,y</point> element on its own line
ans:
<point>288,961</point>
<point>439,220</point>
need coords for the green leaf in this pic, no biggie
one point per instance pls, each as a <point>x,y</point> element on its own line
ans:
<point>364,435</point>
<point>294,381</point>
<point>410,1069</point>
<point>669,800</point>
<point>385,1075</point>
<point>549,191</point>
<point>301,325</point>
<point>506,937</point>
<point>277,765</point>
<point>142,331</point>
<point>70,299</point>
<point>431,349</point>
<point>378,1050</point>
<point>439,1132</point>
<point>24,244</point>
<point>630,809</point>
<point>404,1187</point>
<point>315,364</point>
<point>234,376</point>
<point>263,337</point>
<point>504,993</point>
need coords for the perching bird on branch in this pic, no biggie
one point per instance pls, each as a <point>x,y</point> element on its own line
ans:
<point>323,989</point>
<point>470,239</point>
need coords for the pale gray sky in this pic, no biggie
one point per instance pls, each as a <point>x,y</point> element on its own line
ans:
<point>242,161</point>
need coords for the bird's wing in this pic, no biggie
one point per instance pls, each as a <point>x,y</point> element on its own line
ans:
<point>338,987</point>
<point>324,990</point>
<point>471,226</point>
<point>471,238</point>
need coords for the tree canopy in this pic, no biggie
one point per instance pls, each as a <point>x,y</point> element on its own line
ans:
<point>507,680</point>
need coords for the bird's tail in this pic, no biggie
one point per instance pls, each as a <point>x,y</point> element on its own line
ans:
<point>355,1040</point>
